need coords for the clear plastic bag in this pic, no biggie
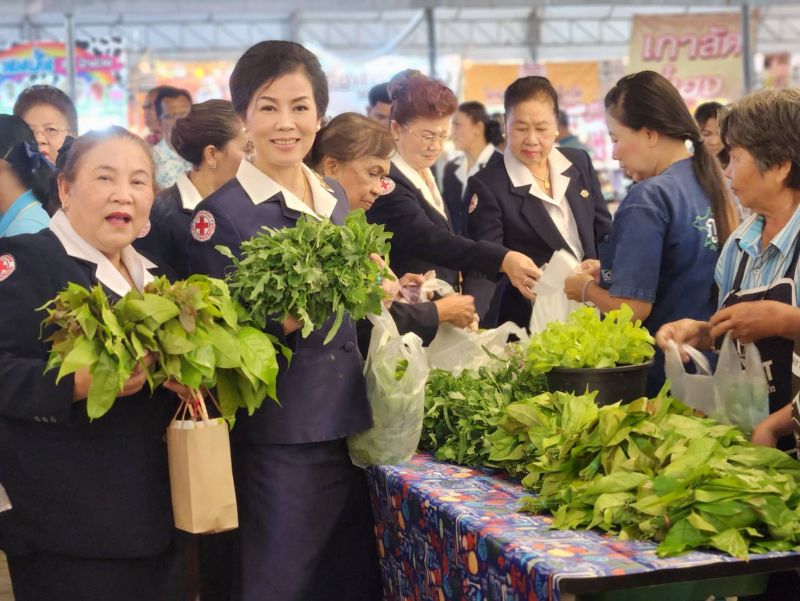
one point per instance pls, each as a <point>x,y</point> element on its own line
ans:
<point>455,349</point>
<point>396,372</point>
<point>551,302</point>
<point>695,390</point>
<point>741,387</point>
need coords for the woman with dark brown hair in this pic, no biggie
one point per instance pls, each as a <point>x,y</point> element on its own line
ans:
<point>413,209</point>
<point>210,138</point>
<point>668,231</point>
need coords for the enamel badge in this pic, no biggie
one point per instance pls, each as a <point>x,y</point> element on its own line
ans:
<point>387,185</point>
<point>203,226</point>
<point>145,230</point>
<point>7,266</point>
<point>584,193</point>
<point>473,203</point>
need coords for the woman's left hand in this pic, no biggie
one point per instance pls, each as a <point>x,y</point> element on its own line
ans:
<point>390,284</point>
<point>184,392</point>
<point>751,321</point>
<point>574,286</point>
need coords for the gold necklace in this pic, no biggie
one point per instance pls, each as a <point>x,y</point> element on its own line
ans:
<point>545,180</point>
<point>305,189</point>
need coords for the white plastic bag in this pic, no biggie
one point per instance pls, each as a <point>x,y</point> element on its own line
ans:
<point>551,303</point>
<point>695,390</point>
<point>455,349</point>
<point>397,403</point>
<point>742,389</point>
<point>5,504</point>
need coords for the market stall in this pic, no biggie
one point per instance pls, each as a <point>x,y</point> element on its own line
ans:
<point>452,532</point>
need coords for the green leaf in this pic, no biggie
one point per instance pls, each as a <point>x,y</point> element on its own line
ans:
<point>106,384</point>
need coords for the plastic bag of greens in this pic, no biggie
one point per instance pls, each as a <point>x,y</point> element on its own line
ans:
<point>396,372</point>
<point>455,349</point>
<point>695,390</point>
<point>741,385</point>
<point>552,303</point>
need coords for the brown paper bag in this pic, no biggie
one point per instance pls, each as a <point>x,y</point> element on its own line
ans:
<point>200,473</point>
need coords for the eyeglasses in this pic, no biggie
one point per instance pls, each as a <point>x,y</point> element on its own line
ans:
<point>50,132</point>
<point>429,139</point>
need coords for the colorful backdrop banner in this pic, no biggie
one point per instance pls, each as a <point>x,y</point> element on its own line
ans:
<point>701,54</point>
<point>101,77</point>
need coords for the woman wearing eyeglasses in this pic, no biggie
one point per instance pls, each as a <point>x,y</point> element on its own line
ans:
<point>413,209</point>
<point>51,115</point>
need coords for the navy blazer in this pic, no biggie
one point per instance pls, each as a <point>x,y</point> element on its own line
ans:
<point>98,489</point>
<point>169,235</point>
<point>322,392</point>
<point>511,216</point>
<point>453,192</point>
<point>423,240</point>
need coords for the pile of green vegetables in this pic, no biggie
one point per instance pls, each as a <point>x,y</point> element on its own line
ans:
<point>311,271</point>
<point>196,333</point>
<point>461,411</point>
<point>586,340</point>
<point>651,470</point>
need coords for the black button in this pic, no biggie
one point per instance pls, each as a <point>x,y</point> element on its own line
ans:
<point>349,346</point>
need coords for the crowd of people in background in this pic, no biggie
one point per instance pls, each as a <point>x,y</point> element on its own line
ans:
<point>705,243</point>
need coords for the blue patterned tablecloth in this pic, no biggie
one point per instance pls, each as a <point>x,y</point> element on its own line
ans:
<point>447,532</point>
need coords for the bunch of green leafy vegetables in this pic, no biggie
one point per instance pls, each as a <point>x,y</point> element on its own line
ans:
<point>312,271</point>
<point>196,333</point>
<point>586,340</point>
<point>461,411</point>
<point>651,470</point>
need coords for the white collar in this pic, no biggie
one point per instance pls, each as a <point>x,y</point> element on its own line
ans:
<point>260,187</point>
<point>520,175</point>
<point>190,195</point>
<point>461,172</point>
<point>433,198</point>
<point>106,273</point>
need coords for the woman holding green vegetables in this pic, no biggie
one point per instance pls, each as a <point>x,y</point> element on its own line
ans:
<point>660,257</point>
<point>305,522</point>
<point>92,516</point>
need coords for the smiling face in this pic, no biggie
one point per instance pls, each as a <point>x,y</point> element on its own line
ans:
<point>282,121</point>
<point>421,140</point>
<point>531,130</point>
<point>360,178</point>
<point>109,201</point>
<point>50,127</point>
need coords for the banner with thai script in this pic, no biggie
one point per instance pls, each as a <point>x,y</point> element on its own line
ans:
<point>101,95</point>
<point>700,53</point>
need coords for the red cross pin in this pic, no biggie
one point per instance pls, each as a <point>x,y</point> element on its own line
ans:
<point>387,185</point>
<point>203,226</point>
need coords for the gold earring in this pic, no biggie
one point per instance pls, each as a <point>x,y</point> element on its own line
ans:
<point>213,165</point>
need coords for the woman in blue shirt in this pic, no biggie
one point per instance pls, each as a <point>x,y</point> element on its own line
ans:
<point>25,176</point>
<point>667,233</point>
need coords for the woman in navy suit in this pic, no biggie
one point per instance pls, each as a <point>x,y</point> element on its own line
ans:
<point>413,208</point>
<point>210,138</point>
<point>305,524</point>
<point>92,515</point>
<point>537,200</point>
<point>477,137</point>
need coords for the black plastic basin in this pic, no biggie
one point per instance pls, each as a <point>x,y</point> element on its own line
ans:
<point>624,383</point>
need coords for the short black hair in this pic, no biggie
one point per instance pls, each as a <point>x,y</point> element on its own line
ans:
<point>51,96</point>
<point>169,92</point>
<point>528,88</point>
<point>265,62</point>
<point>379,93</point>
<point>706,111</point>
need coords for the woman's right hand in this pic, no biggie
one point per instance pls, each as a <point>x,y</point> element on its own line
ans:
<point>134,384</point>
<point>590,267</point>
<point>685,331</point>
<point>522,272</point>
<point>458,309</point>
<point>290,324</point>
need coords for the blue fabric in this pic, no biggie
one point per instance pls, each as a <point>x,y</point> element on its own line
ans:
<point>663,250</point>
<point>763,268</point>
<point>21,218</point>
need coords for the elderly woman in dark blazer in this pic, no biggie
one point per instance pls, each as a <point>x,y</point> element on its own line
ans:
<point>538,199</point>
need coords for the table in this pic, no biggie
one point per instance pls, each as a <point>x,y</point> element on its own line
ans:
<point>448,532</point>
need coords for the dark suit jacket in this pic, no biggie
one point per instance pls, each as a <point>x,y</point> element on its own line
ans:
<point>322,391</point>
<point>510,216</point>
<point>98,489</point>
<point>453,192</point>
<point>423,240</point>
<point>169,235</point>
